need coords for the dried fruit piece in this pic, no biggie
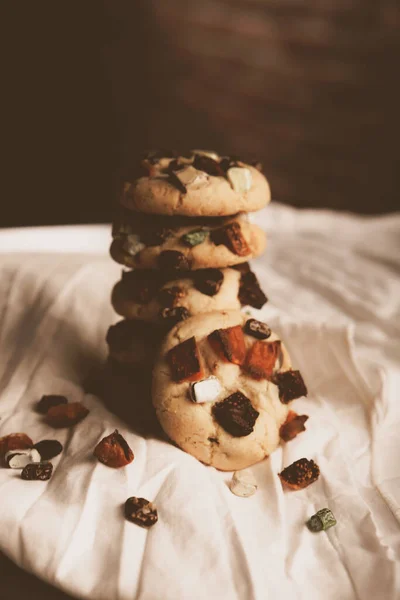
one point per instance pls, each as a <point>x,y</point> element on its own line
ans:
<point>140,511</point>
<point>206,390</point>
<point>184,361</point>
<point>114,451</point>
<point>257,329</point>
<point>41,471</point>
<point>169,297</point>
<point>240,179</point>
<point>48,449</point>
<point>250,292</point>
<point>173,260</point>
<point>172,316</point>
<point>300,474</point>
<point>18,459</point>
<point>293,425</point>
<point>195,237</point>
<point>243,484</point>
<point>236,414</point>
<point>291,385</point>
<point>229,344</point>
<point>261,359</point>
<point>208,281</point>
<point>231,236</point>
<point>13,441</point>
<point>321,521</point>
<point>132,244</point>
<point>66,415</point>
<point>47,402</point>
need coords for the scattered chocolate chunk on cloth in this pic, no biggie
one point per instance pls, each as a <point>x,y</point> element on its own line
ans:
<point>321,521</point>
<point>114,451</point>
<point>236,414</point>
<point>140,511</point>
<point>41,471</point>
<point>48,449</point>
<point>300,474</point>
<point>291,385</point>
<point>293,425</point>
<point>49,401</point>
<point>66,415</point>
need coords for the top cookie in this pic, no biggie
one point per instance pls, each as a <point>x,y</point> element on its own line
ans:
<point>201,184</point>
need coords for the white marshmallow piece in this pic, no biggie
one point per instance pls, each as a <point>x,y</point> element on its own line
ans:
<point>132,244</point>
<point>243,484</point>
<point>240,179</point>
<point>18,459</point>
<point>206,390</point>
<point>208,153</point>
<point>191,176</point>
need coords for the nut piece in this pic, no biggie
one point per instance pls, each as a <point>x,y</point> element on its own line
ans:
<point>257,329</point>
<point>13,441</point>
<point>48,449</point>
<point>240,179</point>
<point>243,484</point>
<point>114,451</point>
<point>172,316</point>
<point>18,459</point>
<point>300,474</point>
<point>321,521</point>
<point>229,344</point>
<point>184,361</point>
<point>261,359</point>
<point>140,511</point>
<point>195,237</point>
<point>291,385</point>
<point>293,425</point>
<point>236,414</point>
<point>206,390</point>
<point>66,415</point>
<point>173,260</point>
<point>231,236</point>
<point>37,471</point>
<point>208,281</point>
<point>250,293</point>
<point>47,402</point>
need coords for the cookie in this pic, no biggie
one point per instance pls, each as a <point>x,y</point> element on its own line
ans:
<point>170,244</point>
<point>144,295</point>
<point>213,389</point>
<point>195,185</point>
<point>133,343</point>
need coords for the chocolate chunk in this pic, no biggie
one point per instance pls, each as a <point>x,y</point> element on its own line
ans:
<point>173,260</point>
<point>184,361</point>
<point>66,415</point>
<point>140,511</point>
<point>195,237</point>
<point>208,165</point>
<point>229,344</point>
<point>48,449</point>
<point>169,297</point>
<point>291,385</point>
<point>141,285</point>
<point>208,281</point>
<point>13,441</point>
<point>235,414</point>
<point>176,182</point>
<point>47,402</point>
<point>121,335</point>
<point>227,162</point>
<point>37,471</point>
<point>293,425</point>
<point>250,292</point>
<point>114,451</point>
<point>242,267</point>
<point>261,359</point>
<point>155,236</point>
<point>257,329</point>
<point>213,440</point>
<point>172,316</point>
<point>231,236</point>
<point>300,474</point>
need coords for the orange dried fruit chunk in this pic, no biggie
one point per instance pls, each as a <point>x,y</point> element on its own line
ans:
<point>232,237</point>
<point>114,451</point>
<point>66,415</point>
<point>293,425</point>
<point>13,441</point>
<point>229,344</point>
<point>300,474</point>
<point>184,361</point>
<point>261,359</point>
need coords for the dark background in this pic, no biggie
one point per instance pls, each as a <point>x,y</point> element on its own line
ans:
<point>309,87</point>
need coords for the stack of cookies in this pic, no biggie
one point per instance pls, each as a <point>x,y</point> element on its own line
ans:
<point>182,231</point>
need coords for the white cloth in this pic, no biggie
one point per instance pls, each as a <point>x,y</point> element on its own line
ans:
<point>334,288</point>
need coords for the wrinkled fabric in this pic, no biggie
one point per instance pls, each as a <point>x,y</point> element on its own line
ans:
<point>333,282</point>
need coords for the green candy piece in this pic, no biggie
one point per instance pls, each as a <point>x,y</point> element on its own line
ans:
<point>195,237</point>
<point>322,520</point>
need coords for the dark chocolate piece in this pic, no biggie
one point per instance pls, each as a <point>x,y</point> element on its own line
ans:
<point>176,182</point>
<point>291,385</point>
<point>49,401</point>
<point>208,165</point>
<point>208,281</point>
<point>250,292</point>
<point>172,316</point>
<point>257,329</point>
<point>48,449</point>
<point>173,260</point>
<point>37,471</point>
<point>235,414</point>
<point>140,511</point>
<point>169,297</point>
<point>300,474</point>
<point>231,236</point>
<point>141,284</point>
